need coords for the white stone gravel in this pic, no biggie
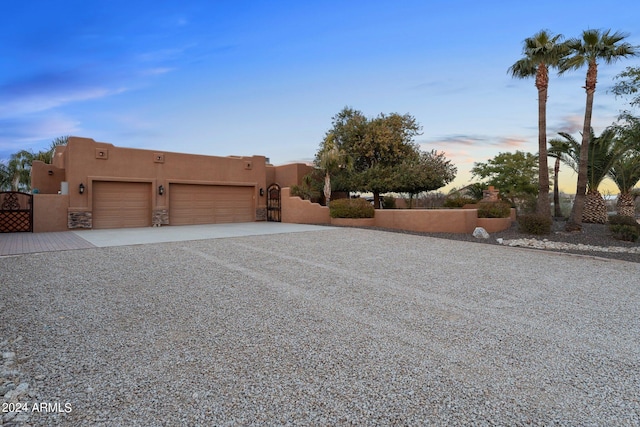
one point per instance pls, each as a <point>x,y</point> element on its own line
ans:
<point>335,327</point>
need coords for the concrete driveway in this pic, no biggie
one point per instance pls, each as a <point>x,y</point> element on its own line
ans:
<point>22,243</point>
<point>326,327</point>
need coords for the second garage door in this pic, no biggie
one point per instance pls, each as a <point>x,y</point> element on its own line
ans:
<point>121,204</point>
<point>210,204</point>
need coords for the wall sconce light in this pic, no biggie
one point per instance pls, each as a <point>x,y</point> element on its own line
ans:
<point>262,191</point>
<point>81,188</point>
<point>161,190</point>
<point>50,172</point>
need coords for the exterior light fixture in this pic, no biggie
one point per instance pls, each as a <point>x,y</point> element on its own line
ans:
<point>81,188</point>
<point>50,172</point>
<point>262,191</point>
<point>161,190</point>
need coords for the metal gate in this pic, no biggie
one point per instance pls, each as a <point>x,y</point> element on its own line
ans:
<point>274,208</point>
<point>16,212</point>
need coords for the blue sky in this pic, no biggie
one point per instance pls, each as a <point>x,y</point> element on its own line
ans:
<point>265,77</point>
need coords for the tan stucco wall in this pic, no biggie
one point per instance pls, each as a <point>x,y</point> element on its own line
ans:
<point>428,220</point>
<point>50,212</point>
<point>46,178</point>
<point>298,211</point>
<point>288,175</point>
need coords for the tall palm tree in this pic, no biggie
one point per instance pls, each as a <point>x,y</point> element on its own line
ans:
<point>541,52</point>
<point>626,174</point>
<point>593,46</point>
<point>604,151</point>
<point>558,150</point>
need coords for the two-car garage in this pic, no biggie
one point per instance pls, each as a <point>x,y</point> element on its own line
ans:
<point>129,204</point>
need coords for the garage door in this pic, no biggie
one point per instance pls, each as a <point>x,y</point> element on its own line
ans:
<point>121,204</point>
<point>210,204</point>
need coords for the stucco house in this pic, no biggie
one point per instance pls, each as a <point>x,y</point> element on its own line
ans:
<point>99,185</point>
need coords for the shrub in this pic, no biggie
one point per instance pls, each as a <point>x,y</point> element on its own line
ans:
<point>351,208</point>
<point>389,202</point>
<point>494,210</point>
<point>624,228</point>
<point>623,220</point>
<point>628,233</point>
<point>535,224</point>
<point>458,201</point>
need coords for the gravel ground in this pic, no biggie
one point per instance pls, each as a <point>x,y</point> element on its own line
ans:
<point>330,327</point>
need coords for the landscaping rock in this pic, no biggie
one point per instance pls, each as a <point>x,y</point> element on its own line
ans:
<point>480,233</point>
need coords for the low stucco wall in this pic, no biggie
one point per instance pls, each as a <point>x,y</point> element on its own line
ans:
<point>50,212</point>
<point>298,211</point>
<point>428,220</point>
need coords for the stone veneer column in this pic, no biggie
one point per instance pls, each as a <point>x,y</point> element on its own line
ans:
<point>160,217</point>
<point>80,220</point>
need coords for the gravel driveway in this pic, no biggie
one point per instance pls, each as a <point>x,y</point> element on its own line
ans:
<point>332,327</point>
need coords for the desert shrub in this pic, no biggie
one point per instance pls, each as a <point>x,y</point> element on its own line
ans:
<point>624,228</point>
<point>458,201</point>
<point>351,208</point>
<point>494,210</point>
<point>389,202</point>
<point>628,233</point>
<point>535,224</point>
<point>623,220</point>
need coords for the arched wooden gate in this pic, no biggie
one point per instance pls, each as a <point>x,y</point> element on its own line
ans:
<point>274,207</point>
<point>16,212</point>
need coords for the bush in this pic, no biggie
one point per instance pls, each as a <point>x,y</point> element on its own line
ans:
<point>494,210</point>
<point>624,228</point>
<point>458,201</point>
<point>535,224</point>
<point>628,233</point>
<point>351,208</point>
<point>389,202</point>
<point>623,220</point>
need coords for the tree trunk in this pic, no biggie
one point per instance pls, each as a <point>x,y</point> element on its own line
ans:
<point>556,191</point>
<point>542,83</point>
<point>575,219</point>
<point>595,209</point>
<point>626,205</point>
<point>327,188</point>
<point>376,200</point>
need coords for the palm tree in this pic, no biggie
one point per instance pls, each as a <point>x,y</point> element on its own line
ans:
<point>330,160</point>
<point>594,46</point>
<point>558,150</point>
<point>47,155</point>
<point>541,51</point>
<point>19,170</point>
<point>604,151</point>
<point>5,177</point>
<point>626,174</point>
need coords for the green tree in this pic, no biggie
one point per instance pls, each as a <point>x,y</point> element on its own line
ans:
<point>514,174</point>
<point>5,177</point>
<point>19,170</point>
<point>541,52</point>
<point>629,84</point>
<point>626,170</point>
<point>604,151</point>
<point>593,46</point>
<point>331,160</point>
<point>375,146</point>
<point>426,172</point>
<point>558,149</point>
